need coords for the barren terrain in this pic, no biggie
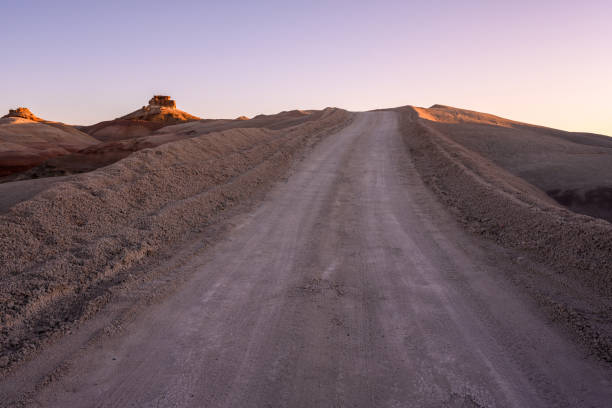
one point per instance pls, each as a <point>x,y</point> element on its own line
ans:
<point>120,138</point>
<point>494,203</point>
<point>26,143</point>
<point>64,244</point>
<point>350,284</point>
<point>573,168</point>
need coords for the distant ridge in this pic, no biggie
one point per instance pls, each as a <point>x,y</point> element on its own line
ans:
<point>449,114</point>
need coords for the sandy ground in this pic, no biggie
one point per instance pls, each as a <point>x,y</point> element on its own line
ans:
<point>351,285</point>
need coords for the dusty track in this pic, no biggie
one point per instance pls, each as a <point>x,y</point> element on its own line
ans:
<point>67,249</point>
<point>350,286</point>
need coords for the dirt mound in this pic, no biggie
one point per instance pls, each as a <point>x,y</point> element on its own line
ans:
<point>25,143</point>
<point>460,163</point>
<point>81,237</point>
<point>242,118</point>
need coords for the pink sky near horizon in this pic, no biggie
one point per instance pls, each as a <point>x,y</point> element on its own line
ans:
<point>545,62</point>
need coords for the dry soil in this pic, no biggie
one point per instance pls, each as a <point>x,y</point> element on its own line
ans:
<point>350,285</point>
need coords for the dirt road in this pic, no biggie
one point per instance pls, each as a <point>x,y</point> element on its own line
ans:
<point>350,286</point>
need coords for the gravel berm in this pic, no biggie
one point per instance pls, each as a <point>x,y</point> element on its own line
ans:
<point>62,250</point>
<point>493,203</point>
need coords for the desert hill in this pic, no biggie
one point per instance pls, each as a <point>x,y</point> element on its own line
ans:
<point>114,149</point>
<point>24,113</point>
<point>120,129</point>
<point>161,111</point>
<point>573,168</point>
<point>27,141</point>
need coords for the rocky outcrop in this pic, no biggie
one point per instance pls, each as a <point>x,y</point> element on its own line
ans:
<point>22,113</point>
<point>160,109</point>
<point>162,100</point>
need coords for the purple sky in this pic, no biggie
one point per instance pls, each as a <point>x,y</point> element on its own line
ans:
<point>543,62</point>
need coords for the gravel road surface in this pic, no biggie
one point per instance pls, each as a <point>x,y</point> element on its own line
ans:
<point>349,286</point>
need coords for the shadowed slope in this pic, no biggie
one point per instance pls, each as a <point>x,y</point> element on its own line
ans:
<point>25,143</point>
<point>573,168</point>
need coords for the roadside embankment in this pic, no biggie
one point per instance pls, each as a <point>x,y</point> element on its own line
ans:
<point>493,203</point>
<point>62,250</point>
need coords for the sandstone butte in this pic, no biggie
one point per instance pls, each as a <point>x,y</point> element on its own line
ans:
<point>160,109</point>
<point>22,113</point>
